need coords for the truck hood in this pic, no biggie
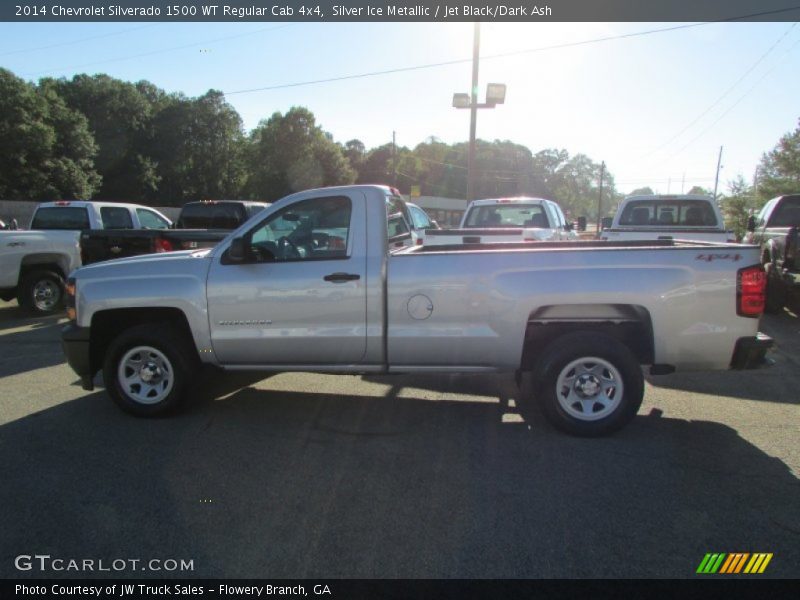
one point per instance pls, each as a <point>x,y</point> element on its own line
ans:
<point>162,260</point>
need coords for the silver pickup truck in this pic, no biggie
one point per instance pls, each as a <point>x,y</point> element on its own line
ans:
<point>314,283</point>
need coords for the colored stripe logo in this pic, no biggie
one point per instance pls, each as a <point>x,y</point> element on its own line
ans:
<point>734,563</point>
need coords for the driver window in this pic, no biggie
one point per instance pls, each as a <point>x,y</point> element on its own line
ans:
<point>309,230</point>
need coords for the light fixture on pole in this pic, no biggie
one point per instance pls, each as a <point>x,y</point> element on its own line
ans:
<point>495,94</point>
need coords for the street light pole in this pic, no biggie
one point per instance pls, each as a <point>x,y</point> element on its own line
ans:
<point>473,117</point>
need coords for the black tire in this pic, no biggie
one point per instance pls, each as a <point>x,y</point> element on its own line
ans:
<point>41,292</point>
<point>776,291</point>
<point>600,411</point>
<point>170,358</point>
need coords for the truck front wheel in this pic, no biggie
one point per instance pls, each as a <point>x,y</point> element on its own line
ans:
<point>41,292</point>
<point>588,384</point>
<point>148,368</point>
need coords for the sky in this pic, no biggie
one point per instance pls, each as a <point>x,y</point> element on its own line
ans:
<point>655,107</point>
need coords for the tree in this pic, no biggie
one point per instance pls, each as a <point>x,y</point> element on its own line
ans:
<point>290,153</point>
<point>644,191</point>
<point>46,148</point>
<point>779,170</point>
<point>120,116</point>
<point>700,191</point>
<point>200,149</point>
<point>355,152</point>
<point>737,205</point>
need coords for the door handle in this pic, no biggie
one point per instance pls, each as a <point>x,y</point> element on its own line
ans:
<point>341,277</point>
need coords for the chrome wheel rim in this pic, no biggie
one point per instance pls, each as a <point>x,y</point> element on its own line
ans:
<point>589,388</point>
<point>46,295</point>
<point>145,375</point>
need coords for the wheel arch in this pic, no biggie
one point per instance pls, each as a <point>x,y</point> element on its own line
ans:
<point>53,261</point>
<point>629,324</point>
<point>108,324</point>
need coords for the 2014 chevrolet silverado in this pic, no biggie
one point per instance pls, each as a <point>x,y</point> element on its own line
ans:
<point>315,283</point>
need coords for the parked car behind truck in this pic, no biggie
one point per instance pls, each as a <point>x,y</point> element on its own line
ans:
<point>312,284</point>
<point>199,225</point>
<point>506,220</point>
<point>34,264</point>
<point>680,217</point>
<point>775,230</point>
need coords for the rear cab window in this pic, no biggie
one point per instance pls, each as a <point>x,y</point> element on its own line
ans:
<point>508,215</point>
<point>658,213</point>
<point>61,217</point>
<point>212,215</point>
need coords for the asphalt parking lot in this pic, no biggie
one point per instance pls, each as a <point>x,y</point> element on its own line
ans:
<point>301,475</point>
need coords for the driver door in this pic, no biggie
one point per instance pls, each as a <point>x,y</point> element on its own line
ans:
<point>299,296</point>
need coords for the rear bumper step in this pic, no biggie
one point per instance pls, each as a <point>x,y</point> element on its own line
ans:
<point>750,352</point>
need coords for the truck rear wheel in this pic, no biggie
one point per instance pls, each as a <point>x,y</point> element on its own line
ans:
<point>148,369</point>
<point>41,292</point>
<point>588,384</point>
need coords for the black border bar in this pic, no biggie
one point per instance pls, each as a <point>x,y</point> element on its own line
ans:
<point>398,10</point>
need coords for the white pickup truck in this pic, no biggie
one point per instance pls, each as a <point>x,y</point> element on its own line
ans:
<point>506,220</point>
<point>34,264</point>
<point>679,217</point>
<point>314,283</point>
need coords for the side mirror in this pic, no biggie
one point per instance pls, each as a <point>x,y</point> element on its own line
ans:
<point>605,222</point>
<point>237,251</point>
<point>569,226</point>
<point>751,223</point>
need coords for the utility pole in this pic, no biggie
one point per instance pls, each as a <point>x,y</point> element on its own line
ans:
<point>600,198</point>
<point>394,160</point>
<point>716,179</point>
<point>473,116</point>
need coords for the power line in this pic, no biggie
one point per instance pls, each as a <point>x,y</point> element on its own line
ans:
<point>724,94</point>
<point>503,54</point>
<point>143,54</point>
<point>79,41</point>
<point>735,104</point>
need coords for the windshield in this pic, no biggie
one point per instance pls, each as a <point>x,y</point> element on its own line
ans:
<point>508,215</point>
<point>657,213</point>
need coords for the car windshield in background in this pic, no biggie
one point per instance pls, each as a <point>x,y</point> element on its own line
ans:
<point>787,214</point>
<point>212,215</point>
<point>509,215</point>
<point>689,213</point>
<point>61,218</point>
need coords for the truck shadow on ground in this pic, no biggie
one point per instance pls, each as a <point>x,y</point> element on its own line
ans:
<point>13,317</point>
<point>29,349</point>
<point>286,484</point>
<point>777,381</point>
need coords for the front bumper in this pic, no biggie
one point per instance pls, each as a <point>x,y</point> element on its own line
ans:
<point>75,343</point>
<point>749,352</point>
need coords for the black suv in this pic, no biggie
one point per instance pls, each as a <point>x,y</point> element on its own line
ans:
<point>775,229</point>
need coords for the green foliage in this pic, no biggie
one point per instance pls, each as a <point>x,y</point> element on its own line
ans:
<point>779,170</point>
<point>46,148</point>
<point>738,205</point>
<point>200,149</point>
<point>289,153</point>
<point>119,115</point>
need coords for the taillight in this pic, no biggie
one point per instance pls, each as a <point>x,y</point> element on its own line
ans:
<point>751,283</point>
<point>162,245</point>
